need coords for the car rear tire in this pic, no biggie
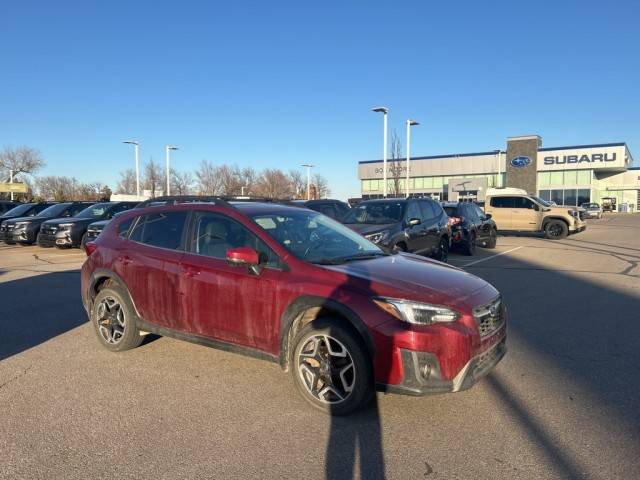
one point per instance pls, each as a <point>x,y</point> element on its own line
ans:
<point>400,247</point>
<point>113,319</point>
<point>331,368</point>
<point>493,239</point>
<point>443,250</point>
<point>469,248</point>
<point>556,230</point>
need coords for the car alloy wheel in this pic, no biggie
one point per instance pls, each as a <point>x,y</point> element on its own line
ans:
<point>110,320</point>
<point>555,230</point>
<point>326,369</point>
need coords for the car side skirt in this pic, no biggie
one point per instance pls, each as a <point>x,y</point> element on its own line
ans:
<point>205,341</point>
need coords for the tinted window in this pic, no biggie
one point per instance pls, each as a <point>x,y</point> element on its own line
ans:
<point>21,210</point>
<point>376,213</point>
<point>54,210</point>
<point>120,208</point>
<point>214,234</point>
<point>478,210</point>
<point>325,209</point>
<point>94,211</point>
<point>123,227</point>
<point>523,202</point>
<point>160,229</point>
<point>428,209</point>
<point>503,202</point>
<point>413,211</point>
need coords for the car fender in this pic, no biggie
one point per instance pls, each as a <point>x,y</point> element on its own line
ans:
<point>102,273</point>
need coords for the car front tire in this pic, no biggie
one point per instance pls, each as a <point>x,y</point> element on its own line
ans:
<point>556,230</point>
<point>331,368</point>
<point>113,319</point>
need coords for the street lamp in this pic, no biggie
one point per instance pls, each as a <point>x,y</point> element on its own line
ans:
<point>410,123</point>
<point>499,169</point>
<point>309,167</point>
<point>384,111</point>
<point>136,148</point>
<point>168,149</point>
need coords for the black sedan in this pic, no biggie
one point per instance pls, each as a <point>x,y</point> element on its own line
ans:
<point>24,230</point>
<point>69,232</point>
<point>470,226</point>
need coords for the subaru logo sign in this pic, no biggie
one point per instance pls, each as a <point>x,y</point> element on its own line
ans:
<point>520,162</point>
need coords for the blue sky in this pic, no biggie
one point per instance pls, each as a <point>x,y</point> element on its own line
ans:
<point>277,84</point>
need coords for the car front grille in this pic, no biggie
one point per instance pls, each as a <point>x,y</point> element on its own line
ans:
<point>7,228</point>
<point>489,317</point>
<point>49,229</point>
<point>489,358</point>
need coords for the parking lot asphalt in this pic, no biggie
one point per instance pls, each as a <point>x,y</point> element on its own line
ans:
<point>564,403</point>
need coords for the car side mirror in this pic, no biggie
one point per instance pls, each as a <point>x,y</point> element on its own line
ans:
<point>487,216</point>
<point>413,222</point>
<point>244,256</point>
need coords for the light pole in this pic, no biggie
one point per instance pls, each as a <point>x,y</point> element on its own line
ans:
<point>384,111</point>
<point>11,181</point>
<point>499,169</point>
<point>168,149</point>
<point>410,123</point>
<point>136,148</point>
<point>309,167</point>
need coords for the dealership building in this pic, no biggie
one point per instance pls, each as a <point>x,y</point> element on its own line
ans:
<point>566,175</point>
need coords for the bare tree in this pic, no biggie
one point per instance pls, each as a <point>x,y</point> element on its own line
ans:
<point>181,182</point>
<point>127,183</point>
<point>57,188</point>
<point>208,180</point>
<point>321,186</point>
<point>25,160</point>
<point>273,183</point>
<point>231,179</point>
<point>298,184</point>
<point>395,166</point>
<point>152,176</point>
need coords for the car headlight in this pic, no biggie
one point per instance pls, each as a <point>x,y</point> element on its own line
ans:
<point>417,313</point>
<point>65,226</point>
<point>21,224</point>
<point>573,213</point>
<point>378,237</point>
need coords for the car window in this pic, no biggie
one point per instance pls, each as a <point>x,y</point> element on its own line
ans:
<point>76,209</point>
<point>123,227</point>
<point>20,210</point>
<point>54,210</point>
<point>213,234</point>
<point>429,209</point>
<point>119,208</point>
<point>452,211</point>
<point>325,209</point>
<point>94,211</point>
<point>413,211</point>
<point>523,202</point>
<point>503,202</point>
<point>375,213</point>
<point>478,211</point>
<point>162,229</point>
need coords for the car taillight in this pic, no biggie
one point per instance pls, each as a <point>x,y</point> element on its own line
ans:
<point>90,247</point>
<point>455,221</point>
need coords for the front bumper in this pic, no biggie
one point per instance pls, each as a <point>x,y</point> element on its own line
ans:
<point>422,374</point>
<point>60,239</point>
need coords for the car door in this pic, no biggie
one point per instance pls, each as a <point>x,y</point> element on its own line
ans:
<point>416,235</point>
<point>225,302</point>
<point>150,262</point>
<point>483,225</point>
<point>501,211</point>
<point>432,227</point>
<point>524,215</point>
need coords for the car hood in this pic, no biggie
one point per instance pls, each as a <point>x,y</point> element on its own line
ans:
<point>99,223</point>
<point>415,278</point>
<point>71,220</point>
<point>31,220</point>
<point>368,229</point>
<point>563,208</point>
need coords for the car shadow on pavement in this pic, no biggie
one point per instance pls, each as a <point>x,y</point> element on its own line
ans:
<point>37,308</point>
<point>583,333</point>
<point>355,440</point>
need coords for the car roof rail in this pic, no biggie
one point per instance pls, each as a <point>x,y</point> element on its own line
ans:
<point>177,199</point>
<point>284,201</point>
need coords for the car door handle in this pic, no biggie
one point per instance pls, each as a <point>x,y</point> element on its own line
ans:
<point>191,271</point>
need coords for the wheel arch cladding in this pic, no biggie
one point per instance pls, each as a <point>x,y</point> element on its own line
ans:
<point>100,277</point>
<point>306,309</point>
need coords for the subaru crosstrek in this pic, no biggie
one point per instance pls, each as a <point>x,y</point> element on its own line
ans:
<point>295,287</point>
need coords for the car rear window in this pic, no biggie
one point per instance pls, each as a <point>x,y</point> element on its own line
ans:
<point>162,229</point>
<point>451,211</point>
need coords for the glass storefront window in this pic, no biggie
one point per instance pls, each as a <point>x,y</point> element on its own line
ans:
<point>545,194</point>
<point>419,182</point>
<point>428,182</point>
<point>570,197</point>
<point>437,182</point>
<point>584,195</point>
<point>584,177</point>
<point>570,177</point>
<point>366,185</point>
<point>556,196</point>
<point>556,178</point>
<point>544,179</point>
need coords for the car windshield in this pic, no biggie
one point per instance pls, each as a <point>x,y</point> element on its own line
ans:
<point>316,238</point>
<point>546,203</point>
<point>54,210</point>
<point>375,213</point>
<point>19,210</point>
<point>94,211</point>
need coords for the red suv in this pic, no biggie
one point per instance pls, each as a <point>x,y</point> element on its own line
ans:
<point>290,285</point>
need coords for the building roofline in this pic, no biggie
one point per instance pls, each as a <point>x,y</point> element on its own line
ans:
<point>595,145</point>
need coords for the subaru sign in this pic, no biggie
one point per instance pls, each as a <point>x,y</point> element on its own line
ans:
<point>520,162</point>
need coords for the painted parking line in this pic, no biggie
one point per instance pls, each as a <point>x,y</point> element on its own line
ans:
<point>492,256</point>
